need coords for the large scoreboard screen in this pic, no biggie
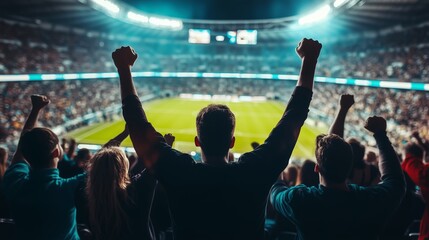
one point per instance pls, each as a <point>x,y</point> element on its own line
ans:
<point>206,36</point>
<point>199,36</point>
<point>247,37</point>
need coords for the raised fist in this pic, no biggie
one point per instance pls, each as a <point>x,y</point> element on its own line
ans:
<point>39,101</point>
<point>375,124</point>
<point>169,138</point>
<point>124,57</point>
<point>308,49</point>
<point>346,101</point>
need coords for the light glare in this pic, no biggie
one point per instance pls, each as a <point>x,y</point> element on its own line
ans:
<point>339,3</point>
<point>108,5</point>
<point>316,16</point>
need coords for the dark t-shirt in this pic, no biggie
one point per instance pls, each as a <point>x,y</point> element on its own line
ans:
<point>358,213</point>
<point>140,195</point>
<point>224,201</point>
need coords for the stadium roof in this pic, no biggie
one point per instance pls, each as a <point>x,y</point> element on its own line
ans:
<point>355,16</point>
<point>225,9</point>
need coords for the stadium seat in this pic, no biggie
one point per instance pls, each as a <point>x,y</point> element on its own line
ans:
<point>286,236</point>
<point>413,230</point>
<point>84,232</point>
<point>7,229</point>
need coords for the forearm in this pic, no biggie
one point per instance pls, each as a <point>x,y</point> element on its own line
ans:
<point>29,124</point>
<point>306,76</point>
<point>31,120</point>
<point>282,139</point>
<point>116,141</point>
<point>126,81</point>
<point>144,137</point>
<point>71,150</point>
<point>390,168</point>
<point>337,126</point>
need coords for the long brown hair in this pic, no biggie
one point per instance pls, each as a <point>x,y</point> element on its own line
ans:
<point>3,162</point>
<point>106,188</point>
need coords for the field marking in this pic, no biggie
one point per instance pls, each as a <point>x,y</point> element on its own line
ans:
<point>93,131</point>
<point>180,131</point>
<point>304,150</point>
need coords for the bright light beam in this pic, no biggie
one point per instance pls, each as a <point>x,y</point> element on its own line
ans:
<point>318,15</point>
<point>339,3</point>
<point>138,17</point>
<point>108,5</point>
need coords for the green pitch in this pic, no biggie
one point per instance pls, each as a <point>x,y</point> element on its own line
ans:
<point>254,121</point>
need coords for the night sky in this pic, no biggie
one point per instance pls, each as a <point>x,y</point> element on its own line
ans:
<point>225,9</point>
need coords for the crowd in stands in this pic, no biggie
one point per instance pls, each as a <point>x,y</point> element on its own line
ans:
<point>343,194</point>
<point>406,110</point>
<point>397,55</point>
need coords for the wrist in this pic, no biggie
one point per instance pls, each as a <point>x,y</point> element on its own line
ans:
<point>309,60</point>
<point>35,109</point>
<point>344,109</point>
<point>123,69</point>
<point>379,133</point>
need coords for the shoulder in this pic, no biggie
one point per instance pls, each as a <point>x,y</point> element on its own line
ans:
<point>15,177</point>
<point>298,192</point>
<point>172,157</point>
<point>19,169</point>
<point>74,181</point>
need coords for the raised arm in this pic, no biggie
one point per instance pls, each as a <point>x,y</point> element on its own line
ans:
<point>72,148</point>
<point>143,136</point>
<point>390,169</point>
<point>169,138</point>
<point>278,147</point>
<point>337,127</point>
<point>308,50</point>
<point>38,102</point>
<point>116,141</point>
<point>423,145</point>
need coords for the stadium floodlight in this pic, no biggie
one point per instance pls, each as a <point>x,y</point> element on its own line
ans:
<point>108,5</point>
<point>316,16</point>
<point>339,3</point>
<point>164,22</point>
<point>138,17</point>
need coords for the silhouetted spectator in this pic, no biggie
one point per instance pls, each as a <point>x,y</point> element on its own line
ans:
<point>419,172</point>
<point>217,200</point>
<point>4,209</point>
<point>336,210</point>
<point>38,197</point>
<point>119,206</point>
<point>307,174</point>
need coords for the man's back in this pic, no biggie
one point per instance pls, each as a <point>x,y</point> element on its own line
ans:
<point>226,201</point>
<point>326,213</point>
<point>340,211</point>
<point>42,203</point>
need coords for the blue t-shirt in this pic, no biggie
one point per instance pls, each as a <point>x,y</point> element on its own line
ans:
<point>42,203</point>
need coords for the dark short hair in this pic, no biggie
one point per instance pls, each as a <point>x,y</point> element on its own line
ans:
<point>215,128</point>
<point>358,153</point>
<point>37,146</point>
<point>334,156</point>
<point>82,154</point>
<point>414,149</point>
<point>307,174</point>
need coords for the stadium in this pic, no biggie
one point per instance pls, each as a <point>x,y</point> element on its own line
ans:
<point>192,54</point>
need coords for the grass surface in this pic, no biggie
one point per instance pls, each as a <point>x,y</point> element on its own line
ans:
<point>254,121</point>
